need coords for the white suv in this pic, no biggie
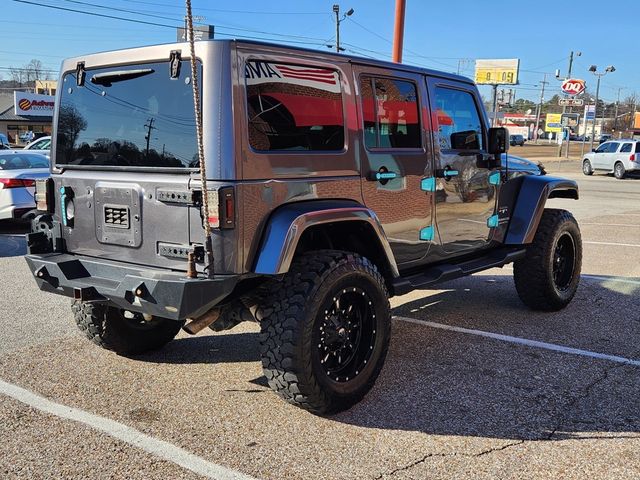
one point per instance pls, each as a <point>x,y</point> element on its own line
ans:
<point>617,156</point>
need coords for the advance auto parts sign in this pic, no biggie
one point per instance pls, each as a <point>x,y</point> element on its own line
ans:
<point>33,104</point>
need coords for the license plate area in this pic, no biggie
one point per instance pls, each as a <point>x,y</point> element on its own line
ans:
<point>118,214</point>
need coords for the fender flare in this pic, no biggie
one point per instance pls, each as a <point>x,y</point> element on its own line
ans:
<point>286,225</point>
<point>532,198</point>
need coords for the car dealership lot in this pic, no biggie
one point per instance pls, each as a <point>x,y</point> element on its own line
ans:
<point>449,403</point>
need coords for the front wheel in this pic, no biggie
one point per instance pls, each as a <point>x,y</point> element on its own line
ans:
<point>122,331</point>
<point>325,330</point>
<point>619,171</point>
<point>547,278</point>
<point>587,169</point>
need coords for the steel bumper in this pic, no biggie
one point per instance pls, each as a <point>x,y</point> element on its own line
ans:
<point>159,292</point>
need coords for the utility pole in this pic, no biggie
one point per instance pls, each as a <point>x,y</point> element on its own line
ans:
<point>539,109</point>
<point>615,116</point>
<point>336,10</point>
<point>594,69</point>
<point>564,109</point>
<point>149,126</point>
<point>494,120</point>
<point>398,32</point>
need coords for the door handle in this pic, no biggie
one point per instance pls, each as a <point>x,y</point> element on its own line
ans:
<point>447,172</point>
<point>383,175</point>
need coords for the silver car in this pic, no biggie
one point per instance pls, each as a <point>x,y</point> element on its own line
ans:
<point>18,173</point>
<point>617,156</point>
<point>42,145</point>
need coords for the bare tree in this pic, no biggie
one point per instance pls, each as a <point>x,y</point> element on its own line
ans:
<point>28,73</point>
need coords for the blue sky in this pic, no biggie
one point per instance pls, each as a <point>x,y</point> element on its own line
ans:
<point>445,35</point>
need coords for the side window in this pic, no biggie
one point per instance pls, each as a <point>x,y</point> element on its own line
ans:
<point>604,148</point>
<point>613,147</point>
<point>459,124</point>
<point>626,148</point>
<point>391,113</point>
<point>293,107</point>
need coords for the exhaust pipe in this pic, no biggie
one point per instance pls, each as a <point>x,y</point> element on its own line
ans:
<point>202,322</point>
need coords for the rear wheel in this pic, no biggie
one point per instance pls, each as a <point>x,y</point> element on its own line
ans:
<point>547,278</point>
<point>587,169</point>
<point>619,171</point>
<point>325,331</point>
<point>123,331</point>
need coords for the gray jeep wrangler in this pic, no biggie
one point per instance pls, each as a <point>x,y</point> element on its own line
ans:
<point>333,183</point>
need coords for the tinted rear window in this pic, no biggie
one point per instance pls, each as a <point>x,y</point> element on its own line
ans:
<point>20,161</point>
<point>124,119</point>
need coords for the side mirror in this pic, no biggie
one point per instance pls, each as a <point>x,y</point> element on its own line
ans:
<point>498,141</point>
<point>593,150</point>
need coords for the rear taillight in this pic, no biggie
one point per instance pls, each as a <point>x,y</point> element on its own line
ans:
<point>632,157</point>
<point>227,208</point>
<point>16,182</point>
<point>44,195</point>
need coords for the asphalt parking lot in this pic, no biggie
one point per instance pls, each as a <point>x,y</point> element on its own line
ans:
<point>475,385</point>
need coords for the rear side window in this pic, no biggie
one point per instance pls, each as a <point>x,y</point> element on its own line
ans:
<point>390,111</point>
<point>459,124</point>
<point>626,148</point>
<point>293,107</point>
<point>638,147</point>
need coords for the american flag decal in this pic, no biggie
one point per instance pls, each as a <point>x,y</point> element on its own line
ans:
<point>304,73</point>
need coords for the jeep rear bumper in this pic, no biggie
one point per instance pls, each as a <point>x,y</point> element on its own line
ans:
<point>159,292</point>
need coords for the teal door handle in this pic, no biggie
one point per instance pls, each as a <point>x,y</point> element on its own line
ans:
<point>450,173</point>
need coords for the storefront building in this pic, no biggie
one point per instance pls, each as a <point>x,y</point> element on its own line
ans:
<point>23,112</point>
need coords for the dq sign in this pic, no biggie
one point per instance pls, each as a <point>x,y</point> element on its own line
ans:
<point>573,86</point>
<point>33,104</point>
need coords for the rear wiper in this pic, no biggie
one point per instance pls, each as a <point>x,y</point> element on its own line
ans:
<point>107,78</point>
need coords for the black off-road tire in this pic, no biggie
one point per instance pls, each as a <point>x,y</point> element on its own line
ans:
<point>587,168</point>
<point>619,171</point>
<point>297,330</point>
<point>547,278</point>
<point>109,328</point>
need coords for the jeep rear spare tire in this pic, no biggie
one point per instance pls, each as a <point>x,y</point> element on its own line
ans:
<point>325,330</point>
<point>122,331</point>
<point>547,277</point>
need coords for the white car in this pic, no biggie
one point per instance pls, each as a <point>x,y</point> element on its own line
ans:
<point>18,173</point>
<point>42,145</point>
<point>616,156</point>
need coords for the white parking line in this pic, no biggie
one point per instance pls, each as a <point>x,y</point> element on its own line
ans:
<point>523,341</point>
<point>612,279</point>
<point>160,448</point>
<point>613,244</point>
<point>610,224</point>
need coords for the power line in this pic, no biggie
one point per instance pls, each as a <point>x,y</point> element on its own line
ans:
<point>55,7</point>
<point>250,12</point>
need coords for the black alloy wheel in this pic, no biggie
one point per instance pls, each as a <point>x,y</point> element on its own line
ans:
<point>346,335</point>
<point>564,261</point>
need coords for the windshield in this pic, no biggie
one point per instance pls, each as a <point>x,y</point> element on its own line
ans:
<point>21,161</point>
<point>131,116</point>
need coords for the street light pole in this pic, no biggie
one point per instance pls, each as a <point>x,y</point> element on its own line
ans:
<point>336,10</point>
<point>594,69</point>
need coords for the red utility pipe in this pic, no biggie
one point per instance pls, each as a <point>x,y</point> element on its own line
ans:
<point>398,31</point>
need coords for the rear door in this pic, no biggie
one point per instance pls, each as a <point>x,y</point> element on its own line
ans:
<point>600,156</point>
<point>396,158</point>
<point>126,147</point>
<point>465,200</point>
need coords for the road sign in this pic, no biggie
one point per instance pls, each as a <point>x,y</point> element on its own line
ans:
<point>573,86</point>
<point>571,102</point>
<point>570,119</point>
<point>553,122</point>
<point>497,72</point>
<point>589,112</point>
